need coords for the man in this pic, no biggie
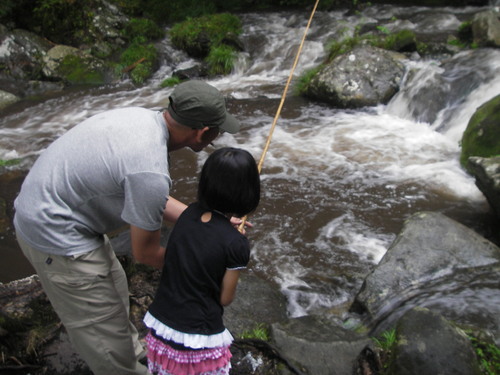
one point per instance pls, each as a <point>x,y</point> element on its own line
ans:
<point>112,169</point>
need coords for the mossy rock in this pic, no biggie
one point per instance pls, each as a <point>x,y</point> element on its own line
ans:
<point>482,136</point>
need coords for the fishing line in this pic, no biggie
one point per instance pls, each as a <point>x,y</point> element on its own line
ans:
<point>283,97</point>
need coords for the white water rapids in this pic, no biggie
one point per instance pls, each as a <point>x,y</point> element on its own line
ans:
<point>337,184</point>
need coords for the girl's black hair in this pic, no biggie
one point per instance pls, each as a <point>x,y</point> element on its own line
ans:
<point>230,182</point>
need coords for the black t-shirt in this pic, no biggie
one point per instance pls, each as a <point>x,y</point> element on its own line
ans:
<point>198,254</point>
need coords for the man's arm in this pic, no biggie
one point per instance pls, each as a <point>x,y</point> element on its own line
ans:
<point>173,209</point>
<point>146,247</point>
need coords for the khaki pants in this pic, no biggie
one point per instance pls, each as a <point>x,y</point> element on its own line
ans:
<point>89,292</point>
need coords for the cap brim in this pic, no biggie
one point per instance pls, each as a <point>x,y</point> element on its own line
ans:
<point>230,125</point>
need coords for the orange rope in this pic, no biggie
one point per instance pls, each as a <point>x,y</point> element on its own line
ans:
<point>283,97</point>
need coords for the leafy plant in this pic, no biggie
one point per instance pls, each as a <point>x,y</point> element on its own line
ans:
<point>139,59</point>
<point>220,60</point>
<point>383,29</point>
<point>488,355</point>
<point>64,21</point>
<point>387,340</point>
<point>141,27</point>
<point>170,82</point>
<point>304,80</point>
<point>185,35</point>
<point>260,332</point>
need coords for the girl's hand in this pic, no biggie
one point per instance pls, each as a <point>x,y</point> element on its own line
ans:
<point>236,222</point>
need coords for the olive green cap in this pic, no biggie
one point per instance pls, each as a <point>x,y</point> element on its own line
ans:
<point>197,104</point>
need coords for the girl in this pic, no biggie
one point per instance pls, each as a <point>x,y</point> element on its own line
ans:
<point>205,254</point>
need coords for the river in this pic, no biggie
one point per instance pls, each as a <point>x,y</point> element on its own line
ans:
<point>337,184</point>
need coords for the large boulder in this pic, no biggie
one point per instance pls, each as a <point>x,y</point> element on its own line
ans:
<point>241,315</point>
<point>486,29</point>
<point>482,136</point>
<point>365,76</point>
<point>487,174</point>
<point>434,262</point>
<point>426,343</point>
<point>21,54</point>
<point>73,65</point>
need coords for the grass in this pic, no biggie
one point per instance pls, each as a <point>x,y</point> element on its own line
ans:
<point>260,332</point>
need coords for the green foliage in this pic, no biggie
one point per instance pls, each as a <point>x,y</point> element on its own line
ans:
<point>465,32</point>
<point>202,37</point>
<point>8,163</point>
<point>220,60</point>
<point>141,59</point>
<point>260,331</point>
<point>488,355</point>
<point>64,21</point>
<point>383,29</point>
<point>185,34</point>
<point>402,40</point>
<point>170,82</point>
<point>6,7</point>
<point>142,28</point>
<point>336,48</point>
<point>387,340</point>
<point>78,71</point>
<point>304,80</point>
<point>187,9</point>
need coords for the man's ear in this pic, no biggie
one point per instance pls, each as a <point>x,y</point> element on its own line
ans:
<point>202,134</point>
<point>209,134</point>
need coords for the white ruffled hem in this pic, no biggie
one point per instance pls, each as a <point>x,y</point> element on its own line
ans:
<point>191,340</point>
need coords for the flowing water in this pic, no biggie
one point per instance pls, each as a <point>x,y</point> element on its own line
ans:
<point>337,184</point>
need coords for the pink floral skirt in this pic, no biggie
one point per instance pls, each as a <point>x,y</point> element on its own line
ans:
<point>165,360</point>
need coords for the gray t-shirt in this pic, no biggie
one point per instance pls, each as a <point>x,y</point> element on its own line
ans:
<point>109,170</point>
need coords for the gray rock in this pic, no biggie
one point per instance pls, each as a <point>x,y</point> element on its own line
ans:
<point>434,262</point>
<point>486,29</point>
<point>487,174</point>
<point>6,99</point>
<point>318,345</point>
<point>54,57</point>
<point>365,76</point>
<point>21,53</point>
<point>428,344</point>
<point>257,302</point>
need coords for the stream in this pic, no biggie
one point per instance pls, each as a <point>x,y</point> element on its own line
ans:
<point>337,184</point>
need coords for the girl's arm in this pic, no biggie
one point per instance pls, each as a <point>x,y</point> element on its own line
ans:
<point>228,288</point>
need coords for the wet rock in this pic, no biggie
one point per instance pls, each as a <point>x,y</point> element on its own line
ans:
<point>434,262</point>
<point>7,98</point>
<point>243,314</point>
<point>487,174</point>
<point>486,29</point>
<point>193,72</point>
<point>21,53</point>
<point>318,345</point>
<point>365,76</point>
<point>428,344</point>
<point>482,135</point>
